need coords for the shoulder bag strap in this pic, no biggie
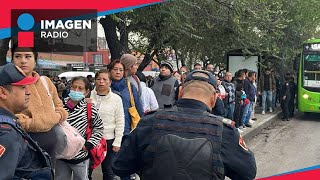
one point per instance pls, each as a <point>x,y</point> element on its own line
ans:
<point>89,116</point>
<point>89,112</point>
<point>131,96</point>
<point>46,86</point>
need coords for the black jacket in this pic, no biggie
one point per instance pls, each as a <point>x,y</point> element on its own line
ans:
<point>191,120</point>
<point>249,89</point>
<point>285,91</point>
<point>20,156</point>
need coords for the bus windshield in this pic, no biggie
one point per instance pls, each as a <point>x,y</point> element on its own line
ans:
<point>311,71</point>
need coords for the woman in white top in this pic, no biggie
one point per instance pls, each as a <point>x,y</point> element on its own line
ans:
<point>148,99</point>
<point>109,106</point>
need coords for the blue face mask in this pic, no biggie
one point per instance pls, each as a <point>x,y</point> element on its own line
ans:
<point>76,95</point>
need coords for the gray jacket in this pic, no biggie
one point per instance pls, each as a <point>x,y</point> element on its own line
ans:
<point>165,90</point>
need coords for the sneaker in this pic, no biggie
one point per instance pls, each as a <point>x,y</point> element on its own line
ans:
<point>263,113</point>
<point>254,119</point>
<point>270,110</point>
<point>288,119</point>
<point>239,130</point>
<point>248,125</point>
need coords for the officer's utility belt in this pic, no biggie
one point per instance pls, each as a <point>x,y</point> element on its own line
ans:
<point>45,172</point>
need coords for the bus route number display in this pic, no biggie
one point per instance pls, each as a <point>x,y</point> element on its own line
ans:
<point>311,47</point>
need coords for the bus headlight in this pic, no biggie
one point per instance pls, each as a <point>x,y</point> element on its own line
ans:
<point>305,96</point>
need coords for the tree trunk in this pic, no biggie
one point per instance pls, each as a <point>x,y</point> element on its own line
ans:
<point>4,47</point>
<point>110,29</point>
<point>147,59</point>
<point>149,54</point>
<point>124,37</point>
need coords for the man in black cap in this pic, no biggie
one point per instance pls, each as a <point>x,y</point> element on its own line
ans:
<point>165,86</point>
<point>187,141</point>
<point>20,156</point>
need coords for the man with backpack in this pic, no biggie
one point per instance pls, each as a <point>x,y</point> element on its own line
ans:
<point>20,156</point>
<point>187,141</point>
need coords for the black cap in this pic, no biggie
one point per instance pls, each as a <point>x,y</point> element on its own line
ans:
<point>201,75</point>
<point>10,74</point>
<point>167,64</point>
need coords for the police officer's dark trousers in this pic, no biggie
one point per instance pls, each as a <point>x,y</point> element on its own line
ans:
<point>291,106</point>
<point>237,115</point>
<point>285,109</point>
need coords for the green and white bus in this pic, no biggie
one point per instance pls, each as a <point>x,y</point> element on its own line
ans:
<point>307,65</point>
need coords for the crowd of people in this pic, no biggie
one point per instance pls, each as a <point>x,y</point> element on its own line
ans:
<point>113,92</point>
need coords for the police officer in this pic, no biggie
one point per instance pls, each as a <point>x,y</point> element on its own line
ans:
<point>285,97</point>
<point>20,156</point>
<point>187,141</point>
<point>293,90</point>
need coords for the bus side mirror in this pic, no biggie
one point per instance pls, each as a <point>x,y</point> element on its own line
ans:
<point>296,63</point>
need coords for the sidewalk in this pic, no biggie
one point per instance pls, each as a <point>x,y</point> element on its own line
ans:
<point>262,122</point>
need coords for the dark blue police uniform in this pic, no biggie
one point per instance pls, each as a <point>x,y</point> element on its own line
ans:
<point>20,156</point>
<point>191,121</point>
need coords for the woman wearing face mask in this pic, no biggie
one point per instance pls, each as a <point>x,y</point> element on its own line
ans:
<point>110,108</point>
<point>76,105</point>
<point>45,109</point>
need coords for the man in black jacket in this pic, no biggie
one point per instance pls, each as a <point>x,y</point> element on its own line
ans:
<point>250,92</point>
<point>293,90</point>
<point>285,97</point>
<point>187,141</point>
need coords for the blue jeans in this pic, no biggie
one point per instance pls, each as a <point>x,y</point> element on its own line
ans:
<point>266,95</point>
<point>247,109</point>
<point>230,110</point>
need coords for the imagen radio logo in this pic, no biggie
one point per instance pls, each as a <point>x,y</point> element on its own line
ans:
<point>55,30</point>
<point>25,36</point>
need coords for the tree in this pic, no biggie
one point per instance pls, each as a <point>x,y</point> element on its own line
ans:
<point>204,30</point>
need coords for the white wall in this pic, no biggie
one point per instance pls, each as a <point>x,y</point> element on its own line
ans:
<point>240,62</point>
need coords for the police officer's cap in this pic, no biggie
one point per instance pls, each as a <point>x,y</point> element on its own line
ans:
<point>201,75</point>
<point>10,74</point>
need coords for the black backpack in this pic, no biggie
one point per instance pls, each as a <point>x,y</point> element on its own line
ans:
<point>183,158</point>
<point>184,153</point>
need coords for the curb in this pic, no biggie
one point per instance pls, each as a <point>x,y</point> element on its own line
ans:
<point>259,126</point>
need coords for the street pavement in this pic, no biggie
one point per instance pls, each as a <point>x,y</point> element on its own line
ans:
<point>287,145</point>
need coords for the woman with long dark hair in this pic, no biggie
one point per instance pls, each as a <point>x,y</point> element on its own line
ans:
<point>45,109</point>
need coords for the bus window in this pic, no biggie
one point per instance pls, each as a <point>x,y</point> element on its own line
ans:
<point>312,70</point>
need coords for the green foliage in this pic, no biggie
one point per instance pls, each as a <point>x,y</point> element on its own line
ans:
<point>207,29</point>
